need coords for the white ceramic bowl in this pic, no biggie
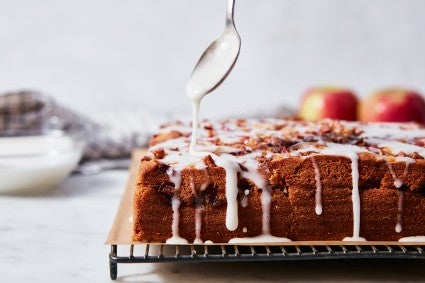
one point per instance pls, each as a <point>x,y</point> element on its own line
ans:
<point>32,164</point>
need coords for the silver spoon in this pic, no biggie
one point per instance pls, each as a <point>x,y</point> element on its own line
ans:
<point>217,60</point>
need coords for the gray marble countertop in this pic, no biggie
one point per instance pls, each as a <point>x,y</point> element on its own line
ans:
<point>59,237</point>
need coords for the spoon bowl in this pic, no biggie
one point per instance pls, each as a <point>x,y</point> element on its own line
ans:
<point>212,69</point>
<point>217,61</point>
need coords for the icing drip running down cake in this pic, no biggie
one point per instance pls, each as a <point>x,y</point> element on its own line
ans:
<point>275,180</point>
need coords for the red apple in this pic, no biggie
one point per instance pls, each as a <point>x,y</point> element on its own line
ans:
<point>393,105</point>
<point>329,102</point>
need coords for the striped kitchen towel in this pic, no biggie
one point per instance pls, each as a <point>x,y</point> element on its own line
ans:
<point>109,135</point>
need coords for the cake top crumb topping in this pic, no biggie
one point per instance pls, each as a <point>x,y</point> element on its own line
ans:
<point>280,138</point>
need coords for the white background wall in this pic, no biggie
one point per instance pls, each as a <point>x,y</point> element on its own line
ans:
<point>101,55</point>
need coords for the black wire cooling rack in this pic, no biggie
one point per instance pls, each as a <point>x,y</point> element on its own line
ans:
<point>231,253</point>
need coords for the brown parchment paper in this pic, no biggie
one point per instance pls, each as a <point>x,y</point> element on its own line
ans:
<point>122,227</point>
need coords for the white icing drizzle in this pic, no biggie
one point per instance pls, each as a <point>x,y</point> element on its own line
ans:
<point>198,225</point>
<point>398,147</point>
<point>412,239</point>
<point>244,201</point>
<point>404,159</point>
<point>266,200</point>
<point>398,183</point>
<point>192,186</point>
<point>196,103</point>
<point>351,152</point>
<point>404,131</point>
<point>175,238</point>
<point>318,195</point>
<point>399,224</point>
<point>232,219</point>
<point>175,177</point>
<point>258,239</point>
<point>198,212</point>
<point>355,197</point>
<point>254,176</point>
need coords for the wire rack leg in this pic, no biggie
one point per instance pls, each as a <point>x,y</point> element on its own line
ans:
<point>113,266</point>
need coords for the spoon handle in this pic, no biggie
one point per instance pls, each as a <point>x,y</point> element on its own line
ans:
<point>229,14</point>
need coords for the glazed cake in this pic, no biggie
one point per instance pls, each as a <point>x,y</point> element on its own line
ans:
<point>274,180</point>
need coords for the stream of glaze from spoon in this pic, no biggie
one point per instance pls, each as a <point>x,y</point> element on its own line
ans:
<point>212,68</point>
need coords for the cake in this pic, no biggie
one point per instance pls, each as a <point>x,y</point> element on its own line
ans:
<point>276,180</point>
